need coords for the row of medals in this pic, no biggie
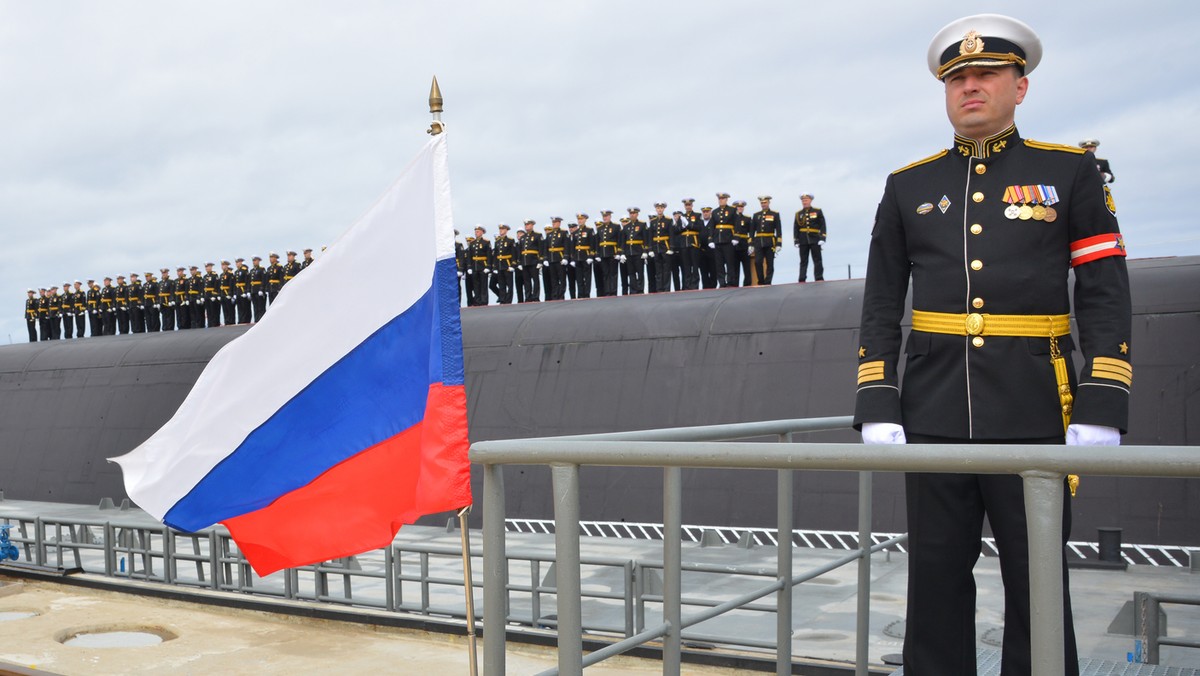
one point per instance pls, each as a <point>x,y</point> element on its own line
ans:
<point>1025,212</point>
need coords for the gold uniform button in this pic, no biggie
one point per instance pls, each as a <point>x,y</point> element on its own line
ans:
<point>977,341</point>
<point>978,197</point>
<point>977,303</point>
<point>980,169</point>
<point>976,264</point>
<point>976,229</point>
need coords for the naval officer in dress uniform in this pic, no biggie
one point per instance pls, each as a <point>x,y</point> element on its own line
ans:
<point>987,231</point>
<point>1090,145</point>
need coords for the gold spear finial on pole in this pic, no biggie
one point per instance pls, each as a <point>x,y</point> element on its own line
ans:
<point>435,108</point>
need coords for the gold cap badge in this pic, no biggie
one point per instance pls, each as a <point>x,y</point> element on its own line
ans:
<point>972,43</point>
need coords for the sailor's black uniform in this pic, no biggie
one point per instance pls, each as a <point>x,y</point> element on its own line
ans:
<point>990,299</point>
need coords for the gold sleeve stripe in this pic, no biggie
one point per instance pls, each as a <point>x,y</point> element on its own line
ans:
<point>1040,145</point>
<point>1115,364</point>
<point>870,366</point>
<point>870,372</point>
<point>1119,376</point>
<point>936,156</point>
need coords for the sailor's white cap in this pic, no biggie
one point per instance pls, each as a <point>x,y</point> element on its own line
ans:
<point>984,40</point>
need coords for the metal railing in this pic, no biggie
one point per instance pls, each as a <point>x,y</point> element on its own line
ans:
<point>1042,469</point>
<point>1146,626</point>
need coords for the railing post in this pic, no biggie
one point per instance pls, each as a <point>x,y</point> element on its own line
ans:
<point>672,568</point>
<point>783,560</point>
<point>567,582</point>
<point>863,621</point>
<point>1043,518</point>
<point>1145,625</point>
<point>495,568</point>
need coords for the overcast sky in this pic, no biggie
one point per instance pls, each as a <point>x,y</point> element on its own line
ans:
<point>138,135</point>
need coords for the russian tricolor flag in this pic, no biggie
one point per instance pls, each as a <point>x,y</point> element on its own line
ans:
<point>342,414</point>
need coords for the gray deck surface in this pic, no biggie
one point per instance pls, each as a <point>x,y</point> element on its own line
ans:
<point>824,609</point>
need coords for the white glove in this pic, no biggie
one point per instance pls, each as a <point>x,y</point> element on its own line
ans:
<point>883,433</point>
<point>573,264</point>
<point>643,256</point>
<point>777,249</point>
<point>565,261</point>
<point>545,264</point>
<point>487,271</point>
<point>622,258</point>
<point>470,272</point>
<point>521,268</point>
<point>670,253</point>
<point>797,245</point>
<point>736,241</point>
<point>821,243</point>
<point>712,245</point>
<point>589,261</point>
<point>1081,434</point>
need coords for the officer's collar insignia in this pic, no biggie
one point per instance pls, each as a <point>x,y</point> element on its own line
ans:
<point>925,208</point>
<point>992,145</point>
<point>972,43</point>
<point>944,204</point>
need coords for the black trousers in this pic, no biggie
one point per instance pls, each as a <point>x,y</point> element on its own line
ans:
<point>154,317</point>
<point>583,279</point>
<point>478,280</point>
<point>243,308</point>
<point>609,278</point>
<point>31,326</point>
<point>728,263</point>
<point>945,523</point>
<point>531,283</point>
<point>68,329</point>
<point>137,320</point>
<point>80,324</point>
<point>228,311</point>
<point>183,316</point>
<point>711,273</point>
<point>502,286</point>
<point>197,320</point>
<point>168,318</point>
<point>96,323</point>
<point>259,300</point>
<point>633,275</point>
<point>557,289</point>
<point>818,268</point>
<point>661,267</point>
<point>212,307</point>
<point>109,322</point>
<point>676,270</point>
<point>572,281</point>
<point>764,264</point>
<point>123,321</point>
<point>690,260</point>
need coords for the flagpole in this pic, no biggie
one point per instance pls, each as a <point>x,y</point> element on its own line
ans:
<point>472,650</point>
<point>435,109</point>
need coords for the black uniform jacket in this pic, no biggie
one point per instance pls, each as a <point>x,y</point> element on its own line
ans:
<point>809,226</point>
<point>767,229</point>
<point>942,223</point>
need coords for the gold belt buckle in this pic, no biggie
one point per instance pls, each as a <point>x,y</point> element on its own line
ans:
<point>974,324</point>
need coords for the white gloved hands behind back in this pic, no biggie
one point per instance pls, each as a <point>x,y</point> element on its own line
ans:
<point>883,433</point>
<point>1088,435</point>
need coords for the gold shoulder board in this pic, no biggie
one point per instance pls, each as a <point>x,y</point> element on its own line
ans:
<point>935,156</point>
<point>1054,146</point>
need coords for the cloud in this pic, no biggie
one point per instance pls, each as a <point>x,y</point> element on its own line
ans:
<point>139,135</point>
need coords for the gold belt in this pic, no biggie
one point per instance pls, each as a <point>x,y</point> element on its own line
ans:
<point>724,227</point>
<point>663,239</point>
<point>556,249</point>
<point>810,230</point>
<point>976,324</point>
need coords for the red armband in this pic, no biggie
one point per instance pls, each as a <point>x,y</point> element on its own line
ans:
<point>1089,249</point>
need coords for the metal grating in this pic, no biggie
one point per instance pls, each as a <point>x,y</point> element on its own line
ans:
<point>1144,555</point>
<point>988,662</point>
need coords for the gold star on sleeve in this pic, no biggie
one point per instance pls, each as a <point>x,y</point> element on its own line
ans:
<point>1123,346</point>
<point>862,351</point>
